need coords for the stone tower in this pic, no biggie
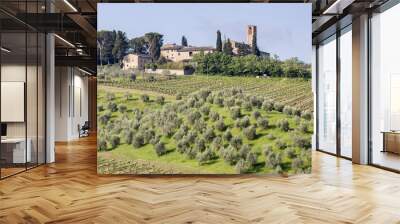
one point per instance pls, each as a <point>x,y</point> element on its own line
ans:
<point>251,34</point>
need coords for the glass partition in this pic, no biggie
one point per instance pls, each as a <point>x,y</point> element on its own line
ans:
<point>346,92</point>
<point>385,89</point>
<point>22,77</point>
<point>327,95</point>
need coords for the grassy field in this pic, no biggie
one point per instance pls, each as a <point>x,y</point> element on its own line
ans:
<point>273,148</point>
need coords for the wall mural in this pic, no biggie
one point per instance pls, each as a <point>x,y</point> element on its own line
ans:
<point>204,88</point>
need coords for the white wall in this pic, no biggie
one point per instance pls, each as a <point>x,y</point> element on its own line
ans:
<point>71,102</point>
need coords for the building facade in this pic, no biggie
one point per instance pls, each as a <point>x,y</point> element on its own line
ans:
<point>177,53</point>
<point>135,61</point>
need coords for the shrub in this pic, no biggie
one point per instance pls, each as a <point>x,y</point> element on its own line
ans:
<point>236,142</point>
<point>244,122</point>
<point>102,145</point>
<point>303,127</point>
<point>209,135</point>
<point>256,114</point>
<point>241,167</point>
<point>205,156</point>
<point>262,122</point>
<point>112,106</point>
<point>160,100</point>
<point>160,149</point>
<point>296,112</point>
<point>227,135</point>
<point>145,98</point>
<point>155,139</point>
<point>182,145</point>
<point>193,116</point>
<point>229,102</point>
<point>105,118</point>
<point>230,155</point>
<point>297,120</point>
<point>220,125</point>
<point>288,110</point>
<point>214,116</point>
<point>283,124</point>
<point>235,112</point>
<point>122,108</point>
<point>114,141</point>
<point>138,140</point>
<point>178,96</point>
<point>128,137</point>
<point>204,93</point>
<point>247,106</point>
<point>273,160</point>
<point>280,144</point>
<point>199,126</point>
<point>238,102</point>
<point>205,110</point>
<point>148,135</point>
<point>217,143</point>
<point>267,105</point>
<point>168,129</point>
<point>250,133</point>
<point>302,142</point>
<point>251,159</point>
<point>306,115</point>
<point>290,152</point>
<point>191,136</point>
<point>244,150</point>
<point>267,150</point>
<point>278,107</point>
<point>219,101</point>
<point>255,101</point>
<point>179,134</point>
<point>200,145</point>
<point>191,153</point>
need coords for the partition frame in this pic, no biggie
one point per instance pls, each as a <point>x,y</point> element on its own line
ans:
<point>44,94</point>
<point>338,33</point>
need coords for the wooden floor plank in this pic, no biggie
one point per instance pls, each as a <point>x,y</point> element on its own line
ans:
<point>70,191</point>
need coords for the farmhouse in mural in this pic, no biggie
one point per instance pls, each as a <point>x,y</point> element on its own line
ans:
<point>132,61</point>
<point>179,53</point>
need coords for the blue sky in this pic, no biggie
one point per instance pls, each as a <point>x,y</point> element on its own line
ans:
<point>283,29</point>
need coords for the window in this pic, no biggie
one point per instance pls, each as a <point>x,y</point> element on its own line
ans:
<point>346,92</point>
<point>385,89</point>
<point>327,95</point>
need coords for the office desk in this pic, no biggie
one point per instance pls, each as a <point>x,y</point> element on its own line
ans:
<point>391,141</point>
<point>13,150</point>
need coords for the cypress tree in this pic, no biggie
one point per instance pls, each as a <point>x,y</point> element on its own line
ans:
<point>184,41</point>
<point>219,42</point>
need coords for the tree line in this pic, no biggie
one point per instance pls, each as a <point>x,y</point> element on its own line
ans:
<point>113,46</point>
<point>220,63</point>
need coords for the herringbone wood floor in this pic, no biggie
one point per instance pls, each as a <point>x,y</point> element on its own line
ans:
<point>69,191</point>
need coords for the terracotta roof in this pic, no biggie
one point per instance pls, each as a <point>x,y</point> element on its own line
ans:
<point>171,47</point>
<point>196,49</point>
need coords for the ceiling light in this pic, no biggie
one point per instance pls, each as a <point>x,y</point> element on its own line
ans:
<point>86,72</point>
<point>64,40</point>
<point>70,5</point>
<point>338,6</point>
<point>5,50</point>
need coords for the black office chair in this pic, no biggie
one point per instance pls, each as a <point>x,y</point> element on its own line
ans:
<point>84,130</point>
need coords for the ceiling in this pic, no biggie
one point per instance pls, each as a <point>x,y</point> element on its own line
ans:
<point>75,21</point>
